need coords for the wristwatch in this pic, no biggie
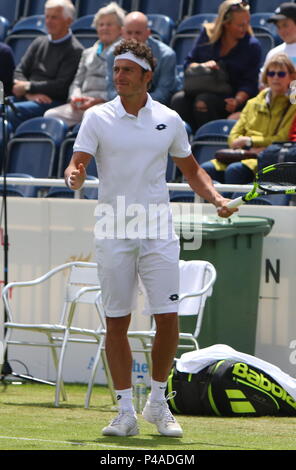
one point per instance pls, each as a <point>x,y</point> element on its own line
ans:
<point>249,144</point>
<point>27,86</point>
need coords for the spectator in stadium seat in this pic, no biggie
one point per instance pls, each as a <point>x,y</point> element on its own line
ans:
<point>165,80</point>
<point>7,67</point>
<point>89,86</point>
<point>43,77</point>
<point>228,41</point>
<point>265,119</point>
<point>284,18</point>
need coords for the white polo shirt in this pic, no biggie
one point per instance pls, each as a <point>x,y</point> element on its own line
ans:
<point>131,153</point>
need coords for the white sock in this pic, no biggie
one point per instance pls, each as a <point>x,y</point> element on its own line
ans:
<point>125,399</point>
<point>157,390</point>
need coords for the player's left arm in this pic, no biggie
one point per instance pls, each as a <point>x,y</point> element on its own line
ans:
<point>202,184</point>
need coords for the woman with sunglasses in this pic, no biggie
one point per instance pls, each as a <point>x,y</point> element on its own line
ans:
<point>227,43</point>
<point>265,119</point>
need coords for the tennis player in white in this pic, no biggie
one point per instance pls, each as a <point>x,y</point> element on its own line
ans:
<point>130,138</point>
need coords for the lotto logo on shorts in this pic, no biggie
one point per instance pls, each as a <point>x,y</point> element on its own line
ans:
<point>134,221</point>
<point>174,297</point>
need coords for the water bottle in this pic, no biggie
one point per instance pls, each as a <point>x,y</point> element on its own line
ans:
<point>140,394</point>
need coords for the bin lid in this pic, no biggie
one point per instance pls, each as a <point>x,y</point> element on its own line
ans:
<point>215,227</point>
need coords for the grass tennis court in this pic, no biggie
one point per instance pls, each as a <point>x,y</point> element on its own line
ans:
<point>29,421</point>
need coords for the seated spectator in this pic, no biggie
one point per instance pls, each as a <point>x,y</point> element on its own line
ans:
<point>6,67</point>
<point>89,86</point>
<point>230,42</point>
<point>165,82</point>
<point>46,71</point>
<point>265,119</point>
<point>285,21</point>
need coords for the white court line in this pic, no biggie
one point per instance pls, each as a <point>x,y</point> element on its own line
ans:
<point>82,444</point>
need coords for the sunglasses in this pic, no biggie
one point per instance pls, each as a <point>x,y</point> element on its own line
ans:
<point>237,6</point>
<point>280,74</point>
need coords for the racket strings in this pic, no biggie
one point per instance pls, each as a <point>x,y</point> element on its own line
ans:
<point>281,178</point>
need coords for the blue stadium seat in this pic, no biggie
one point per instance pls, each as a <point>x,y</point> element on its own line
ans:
<point>215,130</point>
<point>66,150</point>
<point>23,33</point>
<point>84,31</point>
<point>161,26</point>
<point>11,9</point>
<point>204,150</point>
<point>260,6</point>
<point>29,25</point>
<point>34,147</point>
<point>65,192</point>
<point>204,6</point>
<point>65,154</point>
<point>4,27</point>
<point>60,192</point>
<point>19,190</point>
<point>211,137</point>
<point>181,196</point>
<point>34,7</point>
<point>90,7</point>
<point>174,9</point>
<point>259,23</point>
<point>265,32</point>
<point>186,33</point>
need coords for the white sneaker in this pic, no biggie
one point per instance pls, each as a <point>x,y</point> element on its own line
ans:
<point>158,413</point>
<point>124,424</point>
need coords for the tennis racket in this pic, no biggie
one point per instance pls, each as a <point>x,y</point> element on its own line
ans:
<point>279,178</point>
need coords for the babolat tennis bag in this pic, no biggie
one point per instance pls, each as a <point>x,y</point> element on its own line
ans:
<point>228,388</point>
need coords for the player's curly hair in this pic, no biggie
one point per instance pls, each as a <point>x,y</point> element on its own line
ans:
<point>139,49</point>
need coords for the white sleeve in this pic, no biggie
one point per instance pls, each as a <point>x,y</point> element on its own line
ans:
<point>87,139</point>
<point>180,146</point>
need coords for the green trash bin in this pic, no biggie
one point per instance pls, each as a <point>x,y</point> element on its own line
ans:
<point>235,249</point>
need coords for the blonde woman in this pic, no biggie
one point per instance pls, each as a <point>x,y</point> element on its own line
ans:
<point>228,42</point>
<point>265,119</point>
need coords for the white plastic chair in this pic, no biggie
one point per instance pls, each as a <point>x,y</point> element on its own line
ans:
<point>197,279</point>
<point>81,286</point>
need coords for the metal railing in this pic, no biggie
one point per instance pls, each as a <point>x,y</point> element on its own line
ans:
<point>93,183</point>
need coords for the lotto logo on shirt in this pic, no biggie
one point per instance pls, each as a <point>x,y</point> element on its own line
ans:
<point>134,221</point>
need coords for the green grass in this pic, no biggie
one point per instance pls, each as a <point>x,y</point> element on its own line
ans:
<point>29,421</point>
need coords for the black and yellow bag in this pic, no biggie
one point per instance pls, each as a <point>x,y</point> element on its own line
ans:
<point>228,388</point>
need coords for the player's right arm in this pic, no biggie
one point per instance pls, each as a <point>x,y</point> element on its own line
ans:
<point>75,173</point>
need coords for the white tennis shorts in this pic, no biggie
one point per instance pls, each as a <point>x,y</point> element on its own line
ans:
<point>122,262</point>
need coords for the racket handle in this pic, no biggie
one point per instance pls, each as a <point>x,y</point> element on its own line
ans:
<point>235,203</point>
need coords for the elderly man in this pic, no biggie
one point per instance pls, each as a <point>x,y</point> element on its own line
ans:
<point>43,77</point>
<point>165,82</point>
<point>89,86</point>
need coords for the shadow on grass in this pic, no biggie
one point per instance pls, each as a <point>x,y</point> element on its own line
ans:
<point>139,443</point>
<point>152,442</point>
<point>98,409</point>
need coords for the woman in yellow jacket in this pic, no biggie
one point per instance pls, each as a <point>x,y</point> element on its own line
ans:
<point>265,119</point>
